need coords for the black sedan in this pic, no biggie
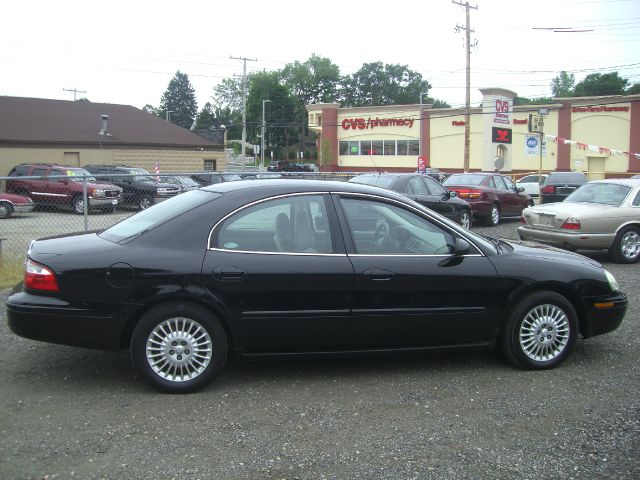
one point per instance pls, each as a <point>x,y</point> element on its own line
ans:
<point>424,190</point>
<point>304,267</point>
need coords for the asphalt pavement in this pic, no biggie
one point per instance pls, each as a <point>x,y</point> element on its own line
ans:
<point>73,413</point>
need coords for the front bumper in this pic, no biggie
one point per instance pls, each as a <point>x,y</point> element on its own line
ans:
<point>603,314</point>
<point>50,319</point>
<point>586,241</point>
<point>103,202</point>
<point>24,208</point>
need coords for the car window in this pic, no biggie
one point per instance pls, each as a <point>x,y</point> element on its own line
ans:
<point>39,171</point>
<point>509,183</point>
<point>464,179</point>
<point>416,186</point>
<point>295,224</point>
<point>499,182</point>
<point>603,193</point>
<point>145,220</point>
<point>636,201</point>
<point>528,179</point>
<point>384,181</point>
<point>567,177</point>
<point>434,186</point>
<point>379,228</point>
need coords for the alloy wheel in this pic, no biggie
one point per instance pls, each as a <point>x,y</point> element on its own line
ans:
<point>179,349</point>
<point>544,332</point>
<point>630,245</point>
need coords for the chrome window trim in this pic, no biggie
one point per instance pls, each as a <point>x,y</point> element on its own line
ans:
<point>262,200</point>
<point>421,255</point>
<point>260,252</point>
<point>419,213</point>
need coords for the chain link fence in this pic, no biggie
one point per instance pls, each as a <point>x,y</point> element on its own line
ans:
<point>38,206</point>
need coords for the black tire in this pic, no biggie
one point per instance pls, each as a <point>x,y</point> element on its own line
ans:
<point>145,202</point>
<point>465,219</point>
<point>626,246</point>
<point>540,332</point>
<point>195,338</point>
<point>78,205</point>
<point>5,210</point>
<point>493,218</point>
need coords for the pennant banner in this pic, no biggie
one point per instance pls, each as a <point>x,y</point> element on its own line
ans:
<point>591,148</point>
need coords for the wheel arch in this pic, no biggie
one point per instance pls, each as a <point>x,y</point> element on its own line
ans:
<point>631,223</point>
<point>138,313</point>
<point>556,287</point>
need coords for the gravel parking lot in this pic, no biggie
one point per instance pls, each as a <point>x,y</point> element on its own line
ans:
<point>74,413</point>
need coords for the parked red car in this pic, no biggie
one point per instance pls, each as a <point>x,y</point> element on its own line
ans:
<point>492,196</point>
<point>11,203</point>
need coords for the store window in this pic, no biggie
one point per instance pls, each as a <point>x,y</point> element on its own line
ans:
<point>403,147</point>
<point>365,148</point>
<point>377,147</point>
<point>344,148</point>
<point>389,147</point>
<point>414,147</point>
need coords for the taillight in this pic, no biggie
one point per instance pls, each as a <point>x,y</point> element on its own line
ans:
<point>469,193</point>
<point>571,223</point>
<point>548,189</point>
<point>39,277</point>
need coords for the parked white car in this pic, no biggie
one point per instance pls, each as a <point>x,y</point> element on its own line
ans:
<point>531,184</point>
<point>602,214</point>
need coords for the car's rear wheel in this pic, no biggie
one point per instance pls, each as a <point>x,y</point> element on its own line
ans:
<point>626,246</point>
<point>540,331</point>
<point>494,215</point>
<point>465,219</point>
<point>178,347</point>
<point>5,210</point>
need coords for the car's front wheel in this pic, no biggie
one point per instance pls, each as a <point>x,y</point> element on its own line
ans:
<point>540,331</point>
<point>178,347</point>
<point>5,210</point>
<point>626,246</point>
<point>78,205</point>
<point>145,202</point>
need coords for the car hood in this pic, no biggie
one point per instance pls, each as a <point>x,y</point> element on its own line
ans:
<point>13,198</point>
<point>103,186</point>
<point>536,250</point>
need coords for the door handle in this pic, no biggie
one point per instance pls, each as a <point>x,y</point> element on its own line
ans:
<point>229,274</point>
<point>378,275</point>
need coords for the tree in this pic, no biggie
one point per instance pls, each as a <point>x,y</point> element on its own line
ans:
<point>634,89</point>
<point>228,93</point>
<point>151,109</point>
<point>180,100</point>
<point>280,119</point>
<point>533,101</point>
<point>596,84</point>
<point>378,84</point>
<point>206,118</point>
<point>562,85</point>
<point>314,81</point>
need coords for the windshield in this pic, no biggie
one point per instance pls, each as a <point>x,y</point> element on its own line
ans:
<point>376,180</point>
<point>603,193</point>
<point>152,217</point>
<point>140,175</point>
<point>464,179</point>
<point>79,174</point>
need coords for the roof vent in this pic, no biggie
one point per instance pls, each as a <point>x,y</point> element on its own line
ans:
<point>104,129</point>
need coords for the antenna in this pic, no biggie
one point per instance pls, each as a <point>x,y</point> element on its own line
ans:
<point>75,91</point>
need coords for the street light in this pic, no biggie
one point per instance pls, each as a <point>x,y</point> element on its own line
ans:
<point>264,126</point>
<point>421,120</point>
<point>542,112</point>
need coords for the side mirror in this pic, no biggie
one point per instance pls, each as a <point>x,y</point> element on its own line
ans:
<point>519,189</point>
<point>453,194</point>
<point>461,247</point>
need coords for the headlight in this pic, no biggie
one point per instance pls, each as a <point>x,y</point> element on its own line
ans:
<point>97,192</point>
<point>613,283</point>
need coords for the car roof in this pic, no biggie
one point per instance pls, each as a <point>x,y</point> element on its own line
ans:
<point>269,187</point>
<point>630,182</point>
<point>478,173</point>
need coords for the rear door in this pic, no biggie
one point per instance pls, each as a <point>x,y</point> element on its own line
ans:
<point>281,269</point>
<point>39,187</point>
<point>509,202</point>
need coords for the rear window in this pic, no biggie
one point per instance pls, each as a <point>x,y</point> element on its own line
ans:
<point>464,179</point>
<point>145,220</point>
<point>384,181</point>
<point>568,177</point>
<point>603,193</point>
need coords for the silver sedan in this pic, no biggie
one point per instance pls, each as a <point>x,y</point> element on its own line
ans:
<point>603,214</point>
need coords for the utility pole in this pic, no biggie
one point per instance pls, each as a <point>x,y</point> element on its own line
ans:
<point>264,129</point>
<point>244,100</point>
<point>75,91</point>
<point>467,102</point>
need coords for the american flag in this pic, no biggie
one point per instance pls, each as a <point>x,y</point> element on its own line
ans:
<point>157,169</point>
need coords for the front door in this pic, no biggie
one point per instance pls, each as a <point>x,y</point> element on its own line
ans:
<point>408,290</point>
<point>283,274</point>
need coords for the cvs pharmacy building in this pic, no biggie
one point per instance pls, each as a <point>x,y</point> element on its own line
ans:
<point>597,135</point>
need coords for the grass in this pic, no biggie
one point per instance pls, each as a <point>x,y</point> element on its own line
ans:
<point>11,271</point>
